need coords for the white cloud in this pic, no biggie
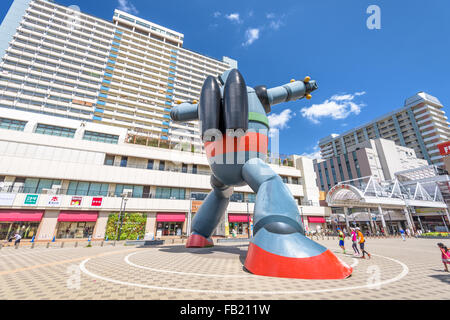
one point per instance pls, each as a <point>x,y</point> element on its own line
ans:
<point>250,14</point>
<point>280,121</point>
<point>217,14</point>
<point>275,25</point>
<point>251,35</point>
<point>234,17</point>
<point>337,107</point>
<point>315,154</point>
<point>270,15</point>
<point>127,6</point>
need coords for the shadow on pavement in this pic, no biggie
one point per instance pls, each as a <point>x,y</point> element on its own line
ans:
<point>235,250</point>
<point>444,277</point>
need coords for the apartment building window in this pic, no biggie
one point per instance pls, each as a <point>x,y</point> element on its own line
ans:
<point>55,130</point>
<point>109,160</point>
<point>349,170</point>
<point>319,170</point>
<point>333,171</point>
<point>184,168</point>
<point>138,191</point>
<point>36,185</point>
<point>162,165</point>
<point>295,180</point>
<point>200,196</point>
<point>123,161</point>
<point>251,197</point>
<point>285,179</point>
<point>150,163</point>
<point>81,188</point>
<point>11,124</point>
<point>341,172</point>
<point>355,159</point>
<point>194,169</point>
<point>101,137</point>
<point>170,193</point>
<point>326,174</point>
<point>237,197</point>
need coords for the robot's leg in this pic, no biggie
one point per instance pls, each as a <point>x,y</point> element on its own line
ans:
<point>208,216</point>
<point>279,247</point>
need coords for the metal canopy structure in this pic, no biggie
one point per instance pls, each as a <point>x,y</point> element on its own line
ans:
<point>370,191</point>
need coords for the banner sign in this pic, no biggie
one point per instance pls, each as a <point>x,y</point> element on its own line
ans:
<point>31,199</point>
<point>444,148</point>
<point>7,199</point>
<point>54,201</point>
<point>76,201</point>
<point>97,201</point>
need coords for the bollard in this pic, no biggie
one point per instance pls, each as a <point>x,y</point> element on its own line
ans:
<point>62,244</point>
<point>76,244</point>
<point>173,241</point>
<point>1,246</point>
<point>16,246</point>
<point>54,239</point>
<point>32,240</point>
<point>32,245</point>
<point>48,245</point>
<point>102,244</point>
<point>114,244</point>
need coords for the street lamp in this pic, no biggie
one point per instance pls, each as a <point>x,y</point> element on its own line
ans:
<point>125,194</point>
<point>248,221</point>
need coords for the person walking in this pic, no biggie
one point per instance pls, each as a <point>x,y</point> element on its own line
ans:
<point>17,237</point>
<point>362,242</point>
<point>341,239</point>
<point>355,242</point>
<point>445,255</point>
<point>402,233</point>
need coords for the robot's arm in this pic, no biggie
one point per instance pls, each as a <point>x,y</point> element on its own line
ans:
<point>289,92</point>
<point>185,112</point>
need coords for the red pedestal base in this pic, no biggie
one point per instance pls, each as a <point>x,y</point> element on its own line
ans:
<point>198,241</point>
<point>324,266</point>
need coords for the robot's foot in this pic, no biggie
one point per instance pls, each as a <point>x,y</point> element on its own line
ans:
<point>293,256</point>
<point>198,241</point>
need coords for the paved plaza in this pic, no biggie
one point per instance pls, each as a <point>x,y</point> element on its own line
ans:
<point>398,269</point>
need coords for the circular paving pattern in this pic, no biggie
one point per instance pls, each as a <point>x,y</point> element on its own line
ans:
<point>219,270</point>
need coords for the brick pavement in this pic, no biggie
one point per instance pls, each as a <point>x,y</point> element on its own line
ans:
<point>174,272</point>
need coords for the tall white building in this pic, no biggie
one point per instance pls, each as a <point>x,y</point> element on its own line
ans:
<point>126,73</point>
<point>421,125</point>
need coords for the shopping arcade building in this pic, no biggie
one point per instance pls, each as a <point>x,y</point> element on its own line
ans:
<point>391,205</point>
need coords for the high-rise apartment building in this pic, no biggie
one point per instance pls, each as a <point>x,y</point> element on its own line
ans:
<point>127,72</point>
<point>379,158</point>
<point>421,125</point>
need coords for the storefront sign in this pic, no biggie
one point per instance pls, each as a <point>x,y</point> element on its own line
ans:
<point>444,148</point>
<point>76,201</point>
<point>97,202</point>
<point>196,206</point>
<point>54,201</point>
<point>31,199</point>
<point>7,199</point>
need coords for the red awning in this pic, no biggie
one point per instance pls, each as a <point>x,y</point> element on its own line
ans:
<point>78,216</point>
<point>21,215</point>
<point>234,218</point>
<point>316,220</point>
<point>170,217</point>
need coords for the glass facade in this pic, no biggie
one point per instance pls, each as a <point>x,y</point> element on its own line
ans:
<point>170,193</point>
<point>55,130</point>
<point>80,188</point>
<point>138,191</point>
<point>101,137</point>
<point>34,185</point>
<point>12,124</point>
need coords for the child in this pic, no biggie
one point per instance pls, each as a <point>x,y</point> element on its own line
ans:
<point>341,239</point>
<point>354,242</point>
<point>445,255</point>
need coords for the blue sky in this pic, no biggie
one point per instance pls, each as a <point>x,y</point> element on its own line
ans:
<point>362,73</point>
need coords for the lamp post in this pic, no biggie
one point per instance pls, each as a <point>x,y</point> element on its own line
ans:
<point>248,221</point>
<point>122,211</point>
<point>301,215</point>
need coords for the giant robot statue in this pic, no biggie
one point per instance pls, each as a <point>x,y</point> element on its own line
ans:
<point>234,128</point>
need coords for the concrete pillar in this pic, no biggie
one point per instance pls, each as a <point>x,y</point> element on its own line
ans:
<point>100,226</point>
<point>383,222</point>
<point>151,222</point>
<point>408,220</point>
<point>346,220</point>
<point>47,228</point>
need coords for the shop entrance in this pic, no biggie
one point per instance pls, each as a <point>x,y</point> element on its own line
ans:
<point>75,230</point>
<point>26,229</point>
<point>170,228</point>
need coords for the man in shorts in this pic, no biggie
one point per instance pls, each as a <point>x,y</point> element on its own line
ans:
<point>362,241</point>
<point>341,237</point>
